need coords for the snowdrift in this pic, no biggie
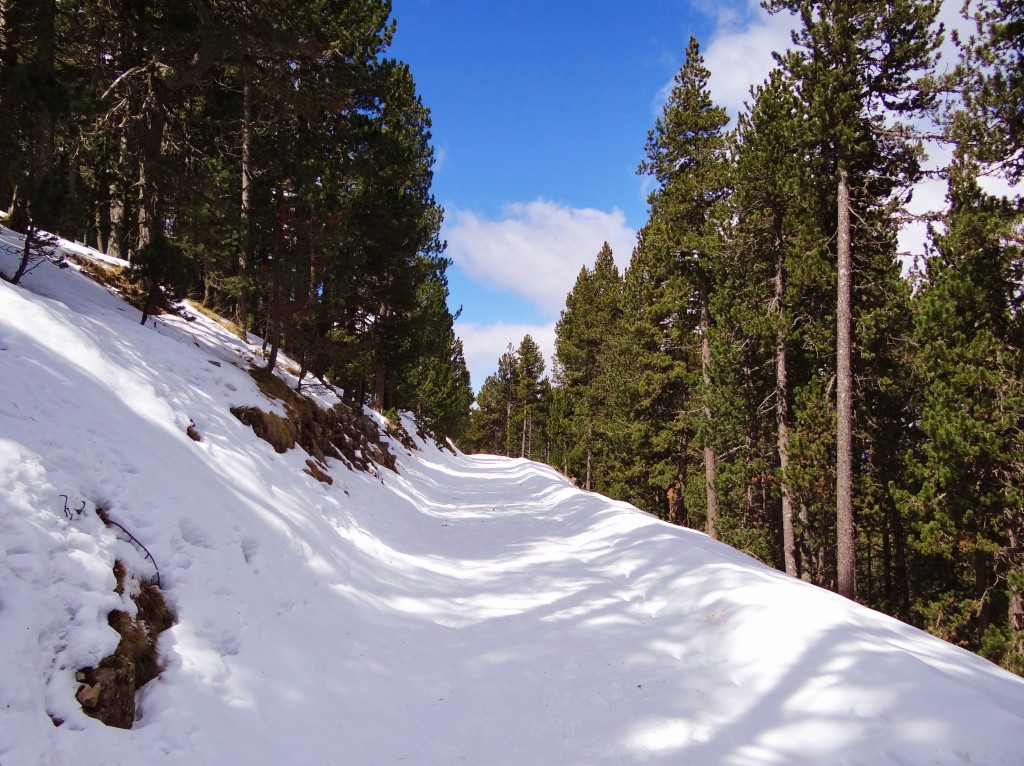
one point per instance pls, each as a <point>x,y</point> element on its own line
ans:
<point>470,610</point>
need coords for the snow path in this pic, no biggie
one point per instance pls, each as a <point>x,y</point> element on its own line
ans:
<point>468,610</point>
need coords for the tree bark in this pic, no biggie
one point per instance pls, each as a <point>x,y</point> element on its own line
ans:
<point>678,512</point>
<point>26,256</point>
<point>782,424</point>
<point>1015,607</point>
<point>590,455</point>
<point>274,326</point>
<point>42,142</point>
<point>152,293</point>
<point>846,568</point>
<point>709,450</point>
<point>150,219</point>
<point>380,378</point>
<point>245,251</point>
<point>8,58</point>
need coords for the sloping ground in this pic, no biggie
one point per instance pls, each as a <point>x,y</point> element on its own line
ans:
<point>465,610</point>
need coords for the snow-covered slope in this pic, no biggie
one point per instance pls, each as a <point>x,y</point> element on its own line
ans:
<point>470,610</point>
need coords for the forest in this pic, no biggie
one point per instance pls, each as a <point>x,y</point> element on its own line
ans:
<point>771,369</point>
<point>265,159</point>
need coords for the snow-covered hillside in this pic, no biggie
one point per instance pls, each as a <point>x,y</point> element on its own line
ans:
<point>466,610</point>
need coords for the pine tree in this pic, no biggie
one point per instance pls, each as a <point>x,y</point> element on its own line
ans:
<point>992,86</point>
<point>491,422</point>
<point>686,155</point>
<point>581,342</point>
<point>528,388</point>
<point>436,387</point>
<point>969,581</point>
<point>35,94</point>
<point>768,212</point>
<point>856,63</point>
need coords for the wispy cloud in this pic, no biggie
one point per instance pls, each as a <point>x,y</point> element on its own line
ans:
<point>536,249</point>
<point>483,344</point>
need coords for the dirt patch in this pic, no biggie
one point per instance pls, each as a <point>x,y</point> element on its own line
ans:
<point>107,691</point>
<point>318,473</point>
<point>277,431</point>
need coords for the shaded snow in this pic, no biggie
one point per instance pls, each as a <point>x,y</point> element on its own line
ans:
<point>471,610</point>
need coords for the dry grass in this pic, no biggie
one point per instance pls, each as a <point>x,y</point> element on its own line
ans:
<point>116,278</point>
<point>224,322</point>
<point>277,431</point>
<point>341,432</point>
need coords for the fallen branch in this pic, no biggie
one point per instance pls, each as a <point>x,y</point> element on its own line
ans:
<point>104,515</point>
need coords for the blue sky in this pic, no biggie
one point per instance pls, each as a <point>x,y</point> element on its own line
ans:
<point>540,113</point>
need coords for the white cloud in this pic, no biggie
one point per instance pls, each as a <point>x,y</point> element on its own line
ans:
<point>537,248</point>
<point>440,157</point>
<point>740,54</point>
<point>483,344</point>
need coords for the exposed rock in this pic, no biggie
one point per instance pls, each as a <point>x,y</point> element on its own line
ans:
<point>341,432</point>
<point>107,692</point>
<point>317,473</point>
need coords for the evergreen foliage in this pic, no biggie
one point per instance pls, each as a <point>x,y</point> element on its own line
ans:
<point>266,158</point>
<point>761,370</point>
<point>764,371</point>
<point>992,80</point>
<point>966,509</point>
<point>675,267</point>
<point>592,312</point>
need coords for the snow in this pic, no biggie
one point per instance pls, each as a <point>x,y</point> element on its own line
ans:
<point>473,610</point>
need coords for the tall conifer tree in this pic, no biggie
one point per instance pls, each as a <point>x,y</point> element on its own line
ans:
<point>857,62</point>
<point>969,583</point>
<point>582,339</point>
<point>686,155</point>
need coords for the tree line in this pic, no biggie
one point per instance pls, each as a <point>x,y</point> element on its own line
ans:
<point>767,371</point>
<point>267,159</point>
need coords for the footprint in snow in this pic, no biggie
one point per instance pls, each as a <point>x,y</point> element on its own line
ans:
<point>250,549</point>
<point>195,535</point>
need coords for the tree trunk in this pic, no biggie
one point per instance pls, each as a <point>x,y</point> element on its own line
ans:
<point>150,302</point>
<point>782,424</point>
<point>117,241</point>
<point>1015,607</point>
<point>380,378</point>
<point>590,456</point>
<point>8,57</point>
<point>26,256</point>
<point>274,327</point>
<point>526,423</point>
<point>674,501</point>
<point>42,141</point>
<point>709,450</point>
<point>846,568</point>
<point>678,507</point>
<point>150,220</point>
<point>245,251</point>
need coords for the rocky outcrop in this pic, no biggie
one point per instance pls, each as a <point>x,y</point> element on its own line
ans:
<point>340,432</point>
